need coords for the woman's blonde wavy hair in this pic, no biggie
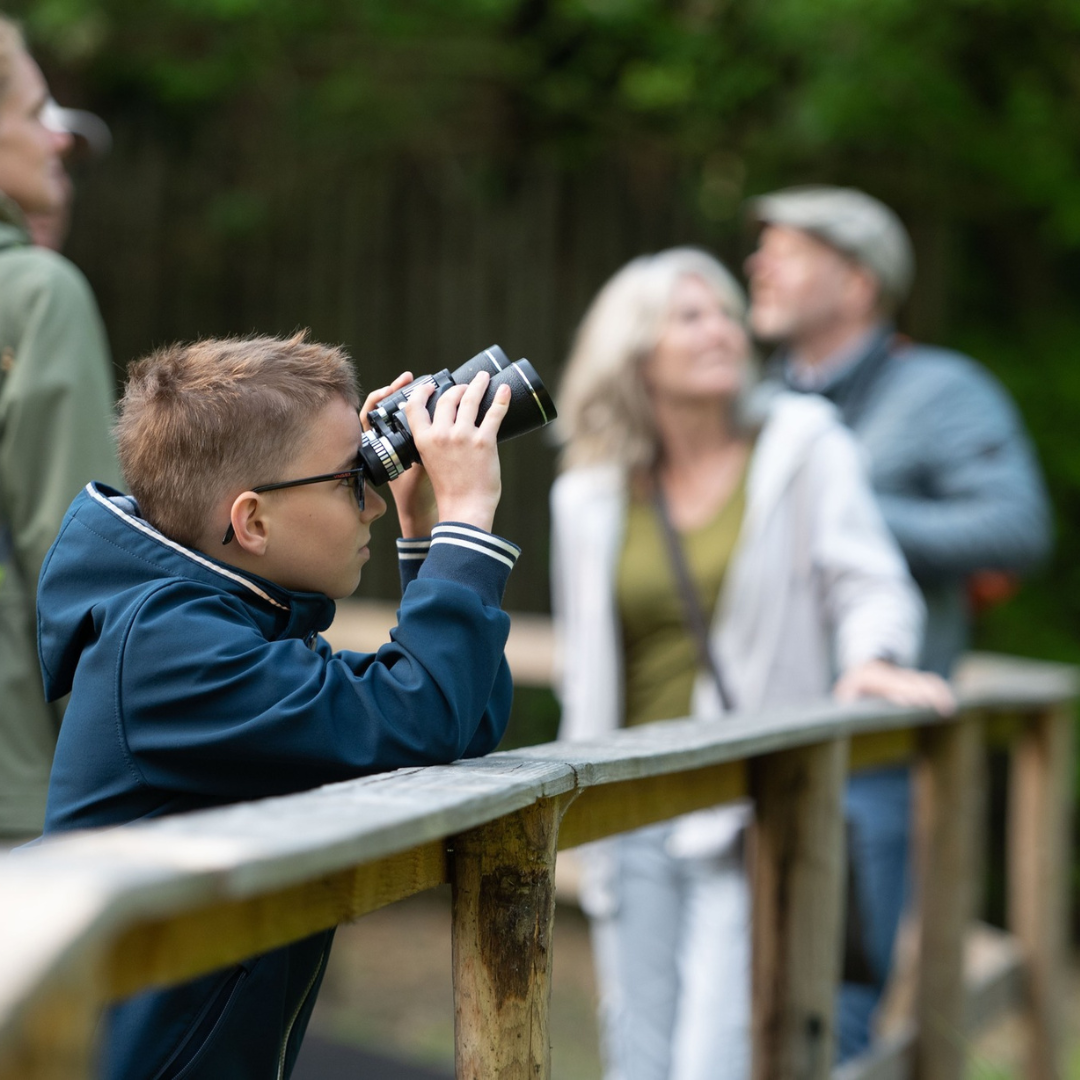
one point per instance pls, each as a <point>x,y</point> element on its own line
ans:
<point>604,409</point>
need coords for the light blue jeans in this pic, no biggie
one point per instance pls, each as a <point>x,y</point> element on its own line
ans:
<point>673,957</point>
<point>673,964</point>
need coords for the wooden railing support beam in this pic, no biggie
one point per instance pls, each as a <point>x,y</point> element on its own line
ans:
<point>1038,860</point>
<point>58,1039</point>
<point>503,883</point>
<point>796,867</point>
<point>945,831</point>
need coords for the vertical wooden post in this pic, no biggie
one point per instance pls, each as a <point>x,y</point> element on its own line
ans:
<point>1040,803</point>
<point>57,1038</point>
<point>945,832</point>
<point>797,873</point>
<point>503,877</point>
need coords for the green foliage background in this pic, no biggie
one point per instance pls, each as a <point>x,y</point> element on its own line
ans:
<point>963,114</point>
<point>231,115</point>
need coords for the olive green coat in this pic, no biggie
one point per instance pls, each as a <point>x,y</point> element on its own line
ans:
<point>56,410</point>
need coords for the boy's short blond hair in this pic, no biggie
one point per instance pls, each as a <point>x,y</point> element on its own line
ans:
<point>201,421</point>
<point>11,44</point>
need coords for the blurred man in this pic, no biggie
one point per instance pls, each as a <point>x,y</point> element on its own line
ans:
<point>56,398</point>
<point>949,460</point>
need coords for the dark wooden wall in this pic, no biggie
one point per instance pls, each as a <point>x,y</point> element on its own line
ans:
<point>411,262</point>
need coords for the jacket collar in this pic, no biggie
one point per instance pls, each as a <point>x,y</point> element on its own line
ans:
<point>848,386</point>
<point>304,612</point>
<point>793,423</point>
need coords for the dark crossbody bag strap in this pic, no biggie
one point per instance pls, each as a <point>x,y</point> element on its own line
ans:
<point>692,610</point>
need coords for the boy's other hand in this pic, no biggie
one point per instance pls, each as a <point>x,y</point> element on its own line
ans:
<point>412,491</point>
<point>460,457</point>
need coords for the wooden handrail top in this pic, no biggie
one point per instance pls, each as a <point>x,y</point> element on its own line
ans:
<point>63,899</point>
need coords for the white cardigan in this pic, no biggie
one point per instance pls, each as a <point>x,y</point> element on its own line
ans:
<point>816,583</point>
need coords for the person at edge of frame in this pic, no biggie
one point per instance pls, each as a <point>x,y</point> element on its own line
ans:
<point>800,592</point>
<point>57,392</point>
<point>952,468</point>
<point>186,619</point>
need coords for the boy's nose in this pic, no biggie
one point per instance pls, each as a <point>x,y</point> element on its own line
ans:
<point>374,505</point>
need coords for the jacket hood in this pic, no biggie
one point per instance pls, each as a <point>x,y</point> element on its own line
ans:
<point>106,558</point>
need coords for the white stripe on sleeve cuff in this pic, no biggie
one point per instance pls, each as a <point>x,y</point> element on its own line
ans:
<point>468,536</point>
<point>413,549</point>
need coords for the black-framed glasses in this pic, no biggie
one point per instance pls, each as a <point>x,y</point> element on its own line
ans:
<point>355,477</point>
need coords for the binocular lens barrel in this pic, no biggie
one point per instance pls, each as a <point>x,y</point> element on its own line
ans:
<point>387,450</point>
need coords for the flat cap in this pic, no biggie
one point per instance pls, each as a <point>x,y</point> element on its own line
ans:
<point>851,221</point>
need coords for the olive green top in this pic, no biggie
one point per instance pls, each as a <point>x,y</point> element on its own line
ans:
<point>660,655</point>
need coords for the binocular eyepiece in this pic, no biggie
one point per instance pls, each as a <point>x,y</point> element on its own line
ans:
<point>387,450</point>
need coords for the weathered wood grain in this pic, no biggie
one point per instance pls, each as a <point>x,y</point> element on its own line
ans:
<point>81,911</point>
<point>629,804</point>
<point>1038,865</point>
<point>797,873</point>
<point>164,951</point>
<point>503,878</point>
<point>95,887</point>
<point>945,833</point>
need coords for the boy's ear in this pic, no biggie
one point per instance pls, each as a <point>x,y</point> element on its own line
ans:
<point>250,523</point>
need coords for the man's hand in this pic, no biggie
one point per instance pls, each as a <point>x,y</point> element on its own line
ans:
<point>461,458</point>
<point>901,686</point>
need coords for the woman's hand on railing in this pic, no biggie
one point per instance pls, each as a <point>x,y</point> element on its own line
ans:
<point>900,686</point>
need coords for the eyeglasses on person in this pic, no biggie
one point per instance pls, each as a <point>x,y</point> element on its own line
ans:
<point>355,478</point>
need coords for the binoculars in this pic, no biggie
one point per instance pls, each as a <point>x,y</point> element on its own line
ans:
<point>388,449</point>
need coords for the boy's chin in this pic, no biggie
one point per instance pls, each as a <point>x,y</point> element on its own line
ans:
<point>344,590</point>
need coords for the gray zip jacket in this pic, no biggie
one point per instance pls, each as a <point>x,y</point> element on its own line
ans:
<point>953,470</point>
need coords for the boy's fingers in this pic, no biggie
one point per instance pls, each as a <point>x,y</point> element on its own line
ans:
<point>376,396</point>
<point>449,405</point>
<point>469,405</point>
<point>499,407</point>
<point>416,407</point>
<point>370,402</point>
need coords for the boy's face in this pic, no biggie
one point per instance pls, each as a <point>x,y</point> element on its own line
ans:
<point>316,535</point>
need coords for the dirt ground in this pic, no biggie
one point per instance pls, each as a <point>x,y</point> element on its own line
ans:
<point>388,988</point>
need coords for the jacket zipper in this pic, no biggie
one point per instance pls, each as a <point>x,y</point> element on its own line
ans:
<point>296,1013</point>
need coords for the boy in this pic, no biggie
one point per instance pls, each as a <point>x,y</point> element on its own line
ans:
<point>185,623</point>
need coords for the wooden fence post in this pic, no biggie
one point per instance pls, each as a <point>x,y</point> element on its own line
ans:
<point>503,878</point>
<point>1040,805</point>
<point>58,1039</point>
<point>946,804</point>
<point>797,867</point>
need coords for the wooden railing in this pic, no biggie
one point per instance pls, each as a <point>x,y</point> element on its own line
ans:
<point>90,918</point>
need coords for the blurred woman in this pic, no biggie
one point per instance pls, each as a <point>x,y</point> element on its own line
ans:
<point>685,501</point>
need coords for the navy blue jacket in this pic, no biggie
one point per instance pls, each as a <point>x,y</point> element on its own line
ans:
<point>195,685</point>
